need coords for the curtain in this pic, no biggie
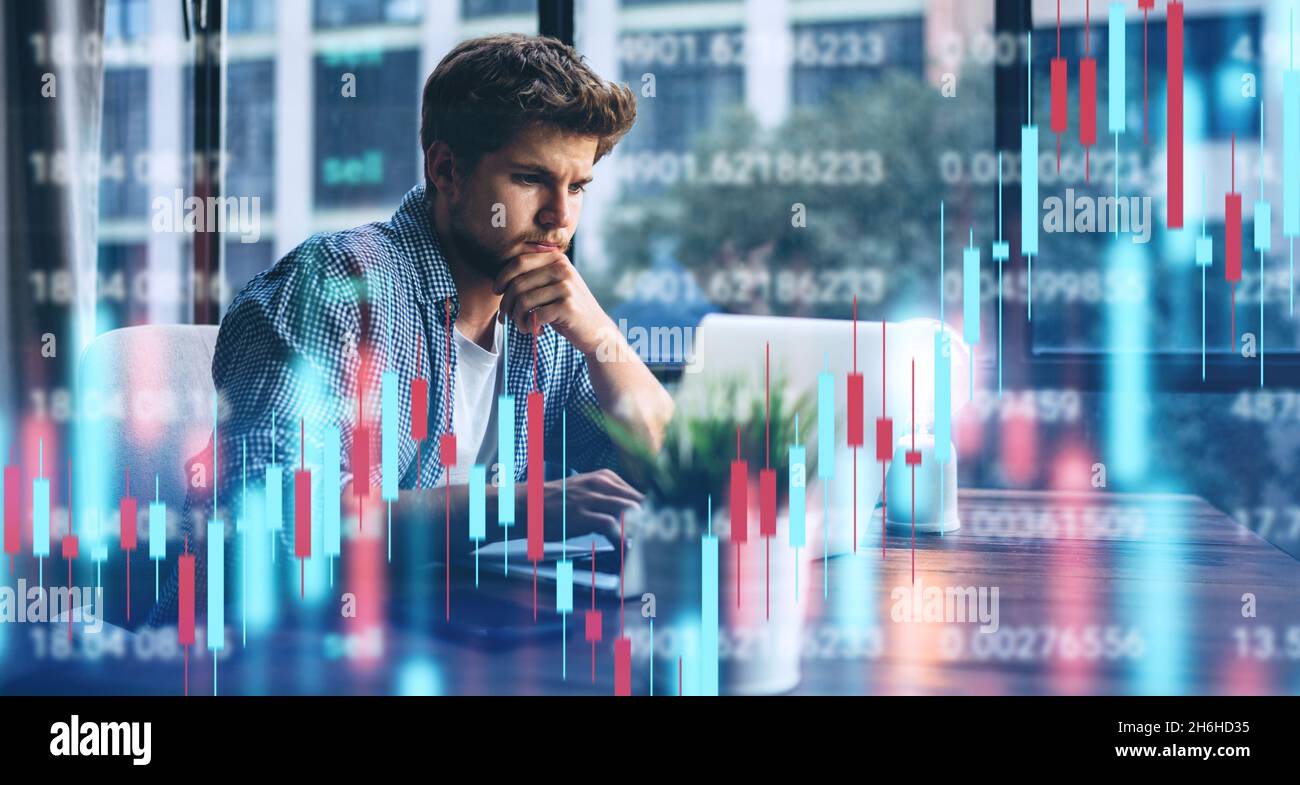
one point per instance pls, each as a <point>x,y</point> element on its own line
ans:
<point>52,89</point>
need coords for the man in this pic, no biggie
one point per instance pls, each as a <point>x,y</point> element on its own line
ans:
<point>469,287</point>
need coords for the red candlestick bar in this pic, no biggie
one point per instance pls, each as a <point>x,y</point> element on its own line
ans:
<point>1060,95</point>
<point>739,508</point>
<point>855,423</point>
<point>126,509</point>
<point>360,452</point>
<point>302,514</point>
<point>185,609</point>
<point>623,666</point>
<point>536,410</point>
<point>1146,6</point>
<point>447,456</point>
<point>912,458</point>
<point>767,483</point>
<point>1174,68</point>
<point>767,477</point>
<point>1060,90</point>
<point>536,475</point>
<point>1232,224</point>
<point>360,468</point>
<point>71,547</point>
<point>1232,237</point>
<point>185,619</point>
<point>1232,244</point>
<point>361,447</point>
<point>855,389</point>
<point>739,513</point>
<point>13,511</point>
<point>855,410</point>
<point>361,462</point>
<point>1087,110</point>
<point>855,392</point>
<point>1087,94</point>
<point>884,441</point>
<point>447,449</point>
<point>126,516</point>
<point>419,410</point>
<point>767,503</point>
<point>623,645</point>
<point>591,630</point>
<point>739,496</point>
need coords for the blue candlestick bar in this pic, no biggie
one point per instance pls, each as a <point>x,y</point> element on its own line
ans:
<point>825,454</point>
<point>1291,158</point>
<point>942,376</point>
<point>216,567</point>
<point>40,507</point>
<point>942,405</point>
<point>1029,181</point>
<point>970,278</point>
<point>41,514</point>
<point>709,608</point>
<point>1001,253</point>
<point>274,493</point>
<point>157,533</point>
<point>332,494</point>
<point>388,447</point>
<point>506,458</point>
<point>798,479</point>
<point>477,509</point>
<point>1204,257</point>
<point>564,569</point>
<point>1115,99</point>
<point>1263,239</point>
<point>216,574</point>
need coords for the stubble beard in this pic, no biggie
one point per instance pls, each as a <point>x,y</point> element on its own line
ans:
<point>481,259</point>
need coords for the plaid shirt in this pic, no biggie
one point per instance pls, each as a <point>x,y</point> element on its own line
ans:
<point>290,352</point>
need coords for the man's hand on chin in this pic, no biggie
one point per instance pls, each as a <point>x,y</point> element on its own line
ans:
<point>545,286</point>
<point>549,286</point>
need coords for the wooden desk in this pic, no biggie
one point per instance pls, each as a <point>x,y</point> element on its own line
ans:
<point>1098,593</point>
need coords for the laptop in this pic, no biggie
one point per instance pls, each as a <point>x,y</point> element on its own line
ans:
<point>800,349</point>
<point>727,346</point>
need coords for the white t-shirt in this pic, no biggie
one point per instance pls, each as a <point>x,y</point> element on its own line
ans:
<point>479,374</point>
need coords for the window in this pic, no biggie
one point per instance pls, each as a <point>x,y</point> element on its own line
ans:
<point>770,170</point>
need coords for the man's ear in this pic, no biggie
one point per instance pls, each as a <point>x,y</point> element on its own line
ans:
<point>440,168</point>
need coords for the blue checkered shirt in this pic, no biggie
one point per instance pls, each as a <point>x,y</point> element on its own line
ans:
<point>290,353</point>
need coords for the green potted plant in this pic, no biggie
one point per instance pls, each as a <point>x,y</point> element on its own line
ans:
<point>694,465</point>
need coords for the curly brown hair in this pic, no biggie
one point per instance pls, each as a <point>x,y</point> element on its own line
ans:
<point>488,89</point>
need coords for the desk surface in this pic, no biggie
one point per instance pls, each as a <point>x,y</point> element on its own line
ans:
<point>1097,594</point>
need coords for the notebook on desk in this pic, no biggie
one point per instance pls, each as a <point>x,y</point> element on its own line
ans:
<point>508,560</point>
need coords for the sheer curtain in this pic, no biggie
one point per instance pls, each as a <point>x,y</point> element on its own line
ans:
<point>50,136</point>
